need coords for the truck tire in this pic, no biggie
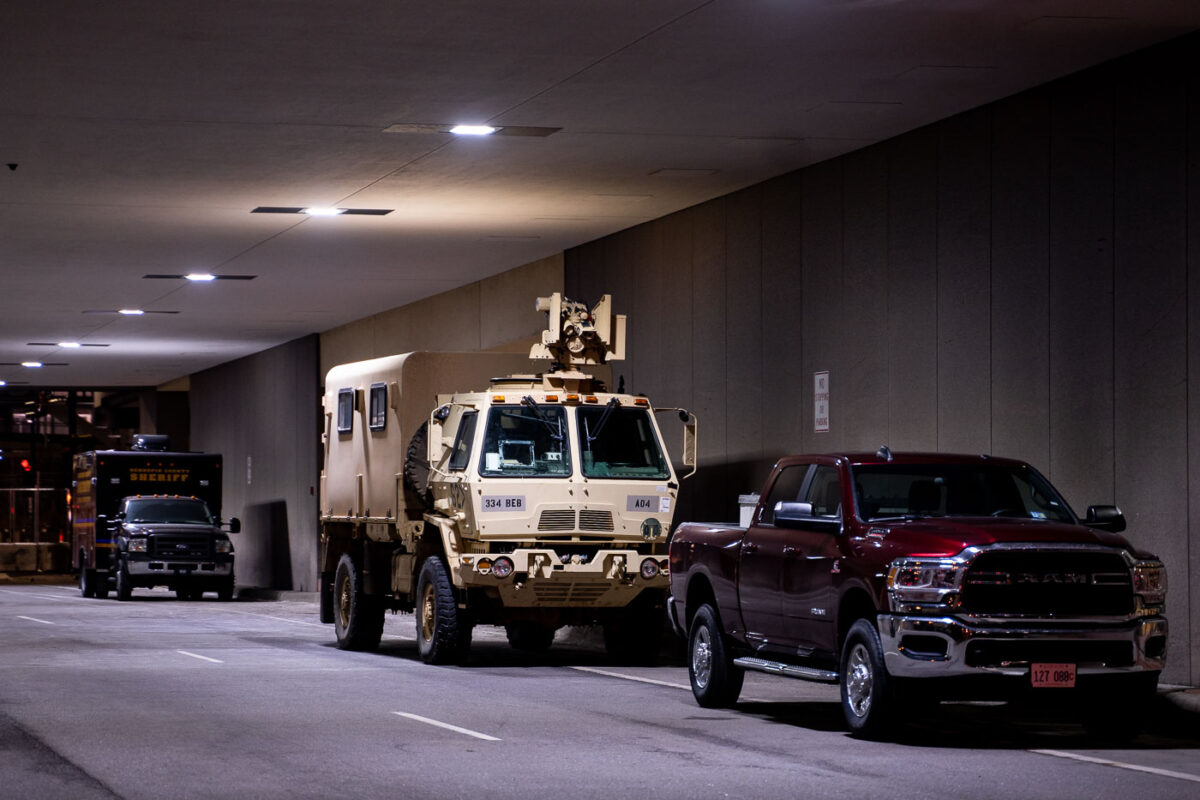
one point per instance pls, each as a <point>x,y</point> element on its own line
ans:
<point>416,466</point>
<point>867,691</point>
<point>442,636</point>
<point>357,617</point>
<point>529,637</point>
<point>716,681</point>
<point>124,583</point>
<point>225,594</point>
<point>87,579</point>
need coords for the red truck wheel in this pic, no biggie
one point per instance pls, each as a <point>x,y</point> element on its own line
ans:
<point>716,682</point>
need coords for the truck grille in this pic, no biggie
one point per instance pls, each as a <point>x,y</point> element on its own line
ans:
<point>568,594</point>
<point>180,546</point>
<point>595,521</point>
<point>1048,584</point>
<point>557,520</point>
<point>990,653</point>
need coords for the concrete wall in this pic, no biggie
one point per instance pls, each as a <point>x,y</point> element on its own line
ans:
<point>1014,280</point>
<point>262,413</point>
<point>496,313</point>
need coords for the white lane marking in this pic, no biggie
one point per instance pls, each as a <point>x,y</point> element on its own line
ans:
<point>447,726</point>
<point>1166,773</point>
<point>35,594</point>
<point>35,619</point>
<point>279,619</point>
<point>202,658</point>
<point>633,678</point>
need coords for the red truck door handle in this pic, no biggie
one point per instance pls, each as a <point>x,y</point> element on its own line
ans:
<point>749,547</point>
<point>789,550</point>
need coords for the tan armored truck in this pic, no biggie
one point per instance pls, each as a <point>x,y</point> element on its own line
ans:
<point>533,501</point>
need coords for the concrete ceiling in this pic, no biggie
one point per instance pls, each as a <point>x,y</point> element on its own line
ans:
<point>140,136</point>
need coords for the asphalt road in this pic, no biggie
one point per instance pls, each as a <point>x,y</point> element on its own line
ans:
<point>159,698</point>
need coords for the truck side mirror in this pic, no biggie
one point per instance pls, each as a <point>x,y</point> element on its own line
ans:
<point>235,525</point>
<point>1105,518</point>
<point>689,441</point>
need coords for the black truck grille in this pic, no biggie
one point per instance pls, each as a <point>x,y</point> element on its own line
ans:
<point>1048,584</point>
<point>180,546</point>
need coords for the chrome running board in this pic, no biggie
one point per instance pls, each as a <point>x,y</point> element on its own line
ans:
<point>790,670</point>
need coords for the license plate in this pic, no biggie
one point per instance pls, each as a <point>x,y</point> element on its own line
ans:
<point>1052,676</point>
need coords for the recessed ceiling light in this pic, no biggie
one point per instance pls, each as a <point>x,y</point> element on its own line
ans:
<point>31,364</point>
<point>371,212</point>
<point>70,345</point>
<point>473,130</point>
<point>131,312</point>
<point>65,344</point>
<point>198,277</point>
<point>323,211</point>
<point>466,130</point>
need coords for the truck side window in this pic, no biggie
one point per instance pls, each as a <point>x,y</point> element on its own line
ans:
<point>377,419</point>
<point>461,456</point>
<point>786,489</point>
<point>345,410</point>
<point>825,492</point>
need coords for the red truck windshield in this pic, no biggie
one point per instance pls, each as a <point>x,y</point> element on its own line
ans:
<point>888,491</point>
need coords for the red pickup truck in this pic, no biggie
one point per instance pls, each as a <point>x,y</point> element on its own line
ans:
<point>909,578</point>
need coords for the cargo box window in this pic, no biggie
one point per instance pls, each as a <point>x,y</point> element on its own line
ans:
<point>378,407</point>
<point>462,442</point>
<point>345,410</point>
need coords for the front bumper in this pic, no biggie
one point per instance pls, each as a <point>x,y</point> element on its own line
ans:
<point>937,647</point>
<point>543,578</point>
<point>142,566</point>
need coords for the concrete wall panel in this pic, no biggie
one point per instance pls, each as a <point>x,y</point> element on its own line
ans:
<point>1020,304</point>
<point>963,284</point>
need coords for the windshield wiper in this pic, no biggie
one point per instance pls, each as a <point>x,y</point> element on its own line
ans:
<point>555,430</point>
<point>600,423</point>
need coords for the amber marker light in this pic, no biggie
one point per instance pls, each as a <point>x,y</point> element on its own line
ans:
<point>497,398</point>
<point>641,401</point>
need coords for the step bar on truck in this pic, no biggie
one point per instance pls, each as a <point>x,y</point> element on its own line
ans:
<point>790,670</point>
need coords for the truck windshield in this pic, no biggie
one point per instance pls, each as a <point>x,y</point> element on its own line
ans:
<point>167,510</point>
<point>619,443</point>
<point>886,491</point>
<point>526,441</point>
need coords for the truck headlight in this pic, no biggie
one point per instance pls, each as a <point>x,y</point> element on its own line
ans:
<point>224,546</point>
<point>920,581</point>
<point>139,545</point>
<point>1150,582</point>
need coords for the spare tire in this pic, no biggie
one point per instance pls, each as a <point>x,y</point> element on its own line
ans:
<point>416,466</point>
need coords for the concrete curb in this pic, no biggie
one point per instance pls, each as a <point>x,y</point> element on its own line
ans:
<point>1186,698</point>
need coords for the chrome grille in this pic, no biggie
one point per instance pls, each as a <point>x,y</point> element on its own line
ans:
<point>179,546</point>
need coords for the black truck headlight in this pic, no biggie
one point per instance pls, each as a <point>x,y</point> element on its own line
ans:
<point>139,544</point>
<point>1150,582</point>
<point>224,546</point>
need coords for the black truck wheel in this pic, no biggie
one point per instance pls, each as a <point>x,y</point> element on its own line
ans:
<point>716,681</point>
<point>225,594</point>
<point>357,617</point>
<point>1115,710</point>
<point>529,637</point>
<point>87,579</point>
<point>867,691</point>
<point>443,636</point>
<point>124,583</point>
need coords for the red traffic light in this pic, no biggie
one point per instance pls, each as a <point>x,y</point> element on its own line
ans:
<point>25,464</point>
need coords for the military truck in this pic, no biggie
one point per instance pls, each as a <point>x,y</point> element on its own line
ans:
<point>150,517</point>
<point>532,501</point>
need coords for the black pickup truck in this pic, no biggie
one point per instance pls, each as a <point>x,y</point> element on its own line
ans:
<point>914,577</point>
